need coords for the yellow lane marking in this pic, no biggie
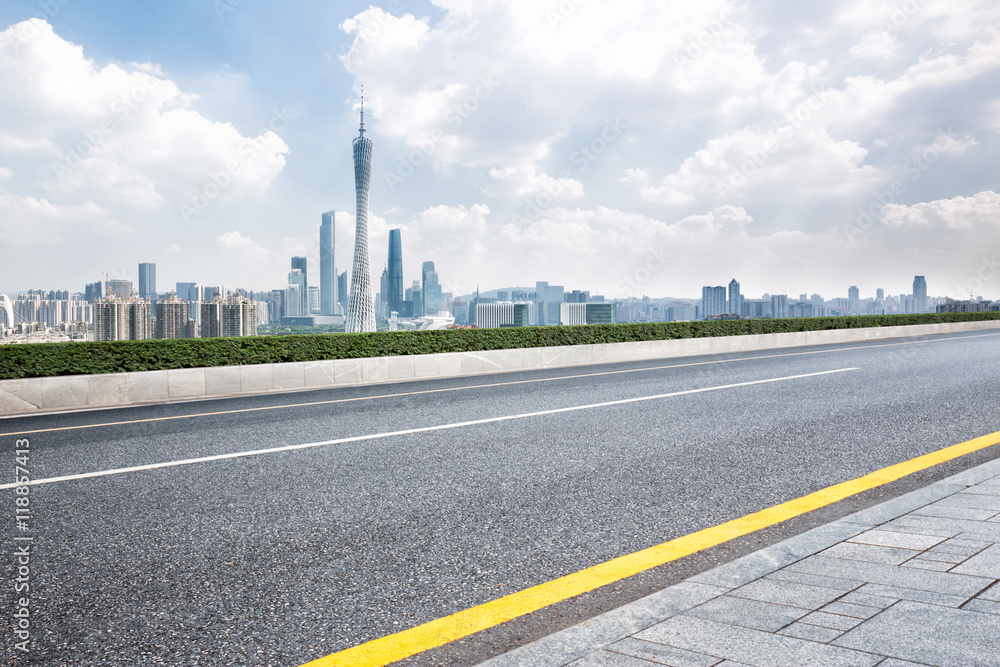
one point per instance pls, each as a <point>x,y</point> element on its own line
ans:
<point>464,623</point>
<point>476,386</point>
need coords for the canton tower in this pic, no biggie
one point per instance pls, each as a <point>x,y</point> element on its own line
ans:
<point>361,308</point>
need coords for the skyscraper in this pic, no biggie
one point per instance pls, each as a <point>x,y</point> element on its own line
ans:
<point>920,293</point>
<point>361,307</point>
<point>147,280</point>
<point>327,270</point>
<point>303,306</point>
<point>394,284</point>
<point>342,291</point>
<point>431,292</point>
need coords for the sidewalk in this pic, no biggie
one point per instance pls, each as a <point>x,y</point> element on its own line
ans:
<point>911,581</point>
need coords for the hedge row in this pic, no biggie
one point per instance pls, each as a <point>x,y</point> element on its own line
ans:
<point>48,359</point>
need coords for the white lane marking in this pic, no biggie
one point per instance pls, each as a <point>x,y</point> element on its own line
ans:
<point>411,431</point>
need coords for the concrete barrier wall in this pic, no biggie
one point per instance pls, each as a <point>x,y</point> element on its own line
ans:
<point>74,392</point>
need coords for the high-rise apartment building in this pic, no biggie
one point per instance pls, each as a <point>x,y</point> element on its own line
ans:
<point>713,301</point>
<point>173,318</point>
<point>394,281</point>
<point>361,304</point>
<point>236,316</point>
<point>735,304</point>
<point>779,305</point>
<point>327,268</point>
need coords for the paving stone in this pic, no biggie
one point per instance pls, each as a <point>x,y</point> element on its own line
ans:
<point>957,545</point>
<point>902,525</point>
<point>870,553</point>
<point>954,512</point>
<point>665,655</point>
<point>877,573</point>
<point>751,646</point>
<point>843,585</point>
<point>984,606</point>
<point>991,593</point>
<point>929,634</point>
<point>609,659</point>
<point>972,530</point>
<point>864,599</point>
<point>885,538</point>
<point>939,557</point>
<point>835,621</point>
<point>971,501</point>
<point>932,565</point>
<point>787,592</point>
<point>814,633</point>
<point>747,613</point>
<point>894,662</point>
<point>853,610</point>
<point>983,490</point>
<point>913,595</point>
<point>984,564</point>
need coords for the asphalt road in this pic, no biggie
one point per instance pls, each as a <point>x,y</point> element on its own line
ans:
<point>281,558</point>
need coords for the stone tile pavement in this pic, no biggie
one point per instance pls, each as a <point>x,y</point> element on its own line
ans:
<point>913,581</point>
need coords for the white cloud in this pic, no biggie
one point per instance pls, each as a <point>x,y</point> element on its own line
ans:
<point>524,181</point>
<point>120,133</point>
<point>245,247</point>
<point>980,212</point>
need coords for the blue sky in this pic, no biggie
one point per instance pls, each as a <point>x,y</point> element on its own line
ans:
<point>648,148</point>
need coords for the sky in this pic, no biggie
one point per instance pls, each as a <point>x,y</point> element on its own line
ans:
<point>627,149</point>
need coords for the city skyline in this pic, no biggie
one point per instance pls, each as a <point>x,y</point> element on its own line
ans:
<point>799,150</point>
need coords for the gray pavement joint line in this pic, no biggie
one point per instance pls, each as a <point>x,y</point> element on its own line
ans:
<point>411,431</point>
<point>860,346</point>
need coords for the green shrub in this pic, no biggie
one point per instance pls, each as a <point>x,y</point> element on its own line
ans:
<point>48,359</point>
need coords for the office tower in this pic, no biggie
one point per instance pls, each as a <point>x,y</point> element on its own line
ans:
<point>120,289</point>
<point>433,298</point>
<point>779,305</point>
<point>713,301</point>
<point>342,291</point>
<point>313,300</point>
<point>294,300</point>
<point>394,282</point>
<point>880,294</point>
<point>920,294</point>
<point>853,293</point>
<point>300,263</point>
<point>184,291</point>
<point>327,269</point>
<point>147,280</point>
<point>735,298</point>
<point>361,305</point>
<point>575,313</point>
<point>502,314</point>
<point>173,318</point>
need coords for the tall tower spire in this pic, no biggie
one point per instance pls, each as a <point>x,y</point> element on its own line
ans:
<point>361,306</point>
